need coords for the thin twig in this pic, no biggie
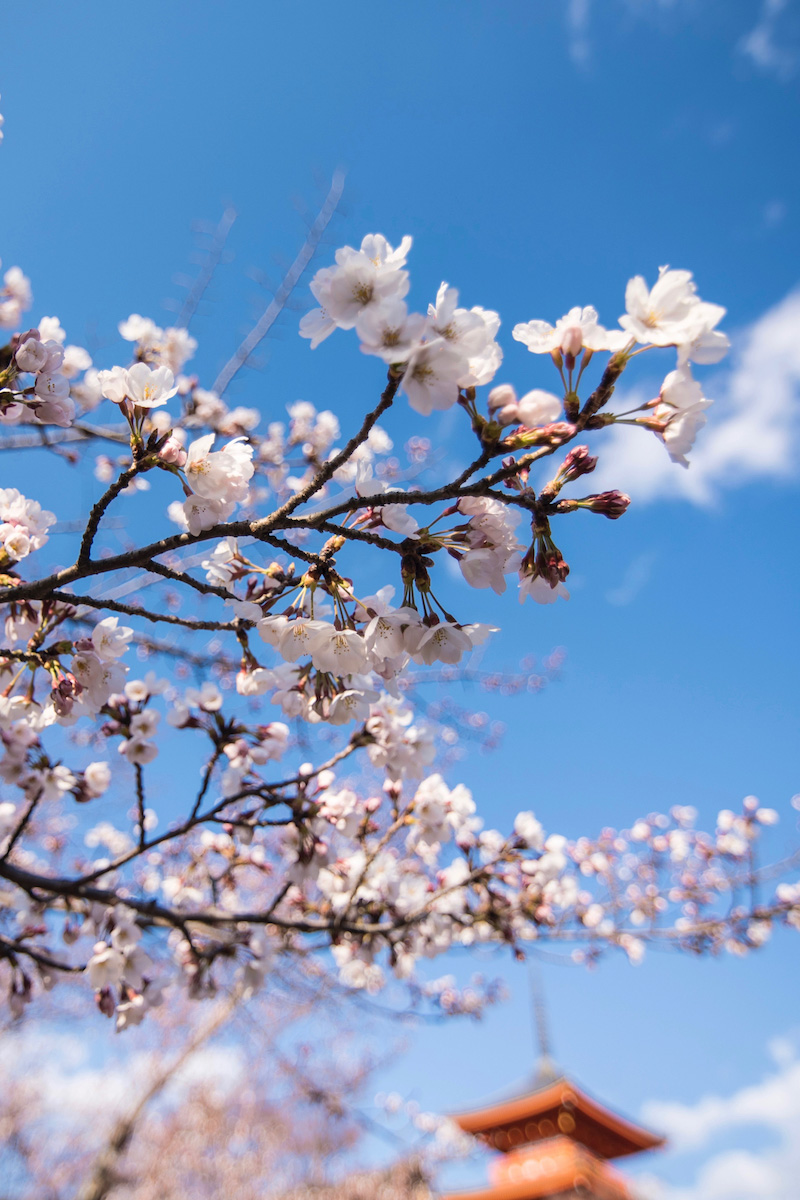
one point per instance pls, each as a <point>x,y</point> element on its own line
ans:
<point>289,282</point>
<point>206,273</point>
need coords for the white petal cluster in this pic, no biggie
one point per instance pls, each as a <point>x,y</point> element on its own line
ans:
<point>51,398</point>
<point>400,745</point>
<point>23,524</point>
<point>353,665</point>
<point>536,408</point>
<point>219,480</point>
<point>577,330</point>
<point>245,755</point>
<point>145,387</point>
<point>493,550</point>
<point>121,959</point>
<point>672,314</point>
<point>668,314</point>
<point>169,348</point>
<point>97,669</point>
<point>15,298</point>
<point>682,408</point>
<point>449,349</point>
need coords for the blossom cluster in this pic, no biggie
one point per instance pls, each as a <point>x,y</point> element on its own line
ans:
<point>23,525</point>
<point>39,354</point>
<point>263,853</point>
<point>449,349</point>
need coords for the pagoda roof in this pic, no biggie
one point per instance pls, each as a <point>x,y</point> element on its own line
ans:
<point>557,1107</point>
<point>559,1167</point>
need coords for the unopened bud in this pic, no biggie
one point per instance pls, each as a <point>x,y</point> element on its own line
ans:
<point>572,341</point>
<point>578,462</point>
<point>503,405</point>
<point>554,434</point>
<point>173,452</point>
<point>63,698</point>
<point>500,396</point>
<point>551,566</point>
<point>106,1002</point>
<point>608,504</point>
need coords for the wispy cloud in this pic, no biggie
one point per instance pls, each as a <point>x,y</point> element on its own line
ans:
<point>578,29</point>
<point>637,576</point>
<point>768,1174</point>
<point>772,45</point>
<point>578,12</point>
<point>753,430</point>
<point>768,45</point>
<point>774,214</point>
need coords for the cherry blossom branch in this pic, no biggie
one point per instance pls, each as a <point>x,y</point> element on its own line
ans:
<point>133,610</point>
<point>80,432</point>
<point>98,509</point>
<point>9,949</point>
<point>256,868</point>
<point>152,912</point>
<point>196,818</point>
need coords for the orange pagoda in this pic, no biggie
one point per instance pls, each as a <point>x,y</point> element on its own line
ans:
<point>555,1142</point>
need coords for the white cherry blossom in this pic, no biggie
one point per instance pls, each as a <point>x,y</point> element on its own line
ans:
<point>110,639</point>
<point>577,330</point>
<point>661,316</point>
<point>683,406</point>
<point>221,475</point>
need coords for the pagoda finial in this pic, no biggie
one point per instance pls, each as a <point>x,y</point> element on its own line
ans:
<point>546,1069</point>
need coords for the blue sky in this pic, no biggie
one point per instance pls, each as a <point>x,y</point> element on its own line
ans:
<point>539,153</point>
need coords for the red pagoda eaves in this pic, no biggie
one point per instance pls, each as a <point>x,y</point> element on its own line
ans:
<point>555,1142</point>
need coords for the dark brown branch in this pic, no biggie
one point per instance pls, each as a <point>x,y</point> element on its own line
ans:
<point>131,610</point>
<point>96,514</point>
<point>207,589</point>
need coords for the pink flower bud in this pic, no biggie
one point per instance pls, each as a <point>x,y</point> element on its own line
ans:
<point>501,396</point>
<point>608,504</point>
<point>578,462</point>
<point>173,452</point>
<point>503,404</point>
<point>572,340</point>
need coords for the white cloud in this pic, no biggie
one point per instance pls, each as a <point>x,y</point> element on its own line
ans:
<point>767,45</point>
<point>71,1082</point>
<point>753,430</point>
<point>738,1174</point>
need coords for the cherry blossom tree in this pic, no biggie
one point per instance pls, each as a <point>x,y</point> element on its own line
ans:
<point>230,1099</point>
<point>307,812</point>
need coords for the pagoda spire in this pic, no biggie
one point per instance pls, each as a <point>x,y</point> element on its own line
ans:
<point>546,1069</point>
